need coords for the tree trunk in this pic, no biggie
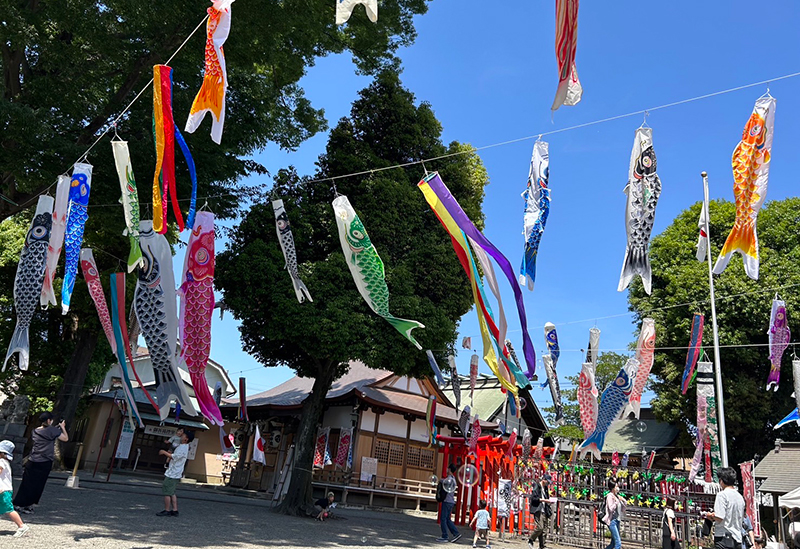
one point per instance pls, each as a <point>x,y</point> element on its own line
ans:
<point>298,496</point>
<point>66,403</point>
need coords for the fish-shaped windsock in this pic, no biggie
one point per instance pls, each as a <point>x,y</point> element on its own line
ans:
<point>779,336</point>
<point>750,162</point>
<point>117,320</point>
<point>539,451</point>
<point>129,200</point>
<point>473,377</point>
<point>435,367</point>
<point>615,458</point>
<point>645,353</point>
<point>243,400</point>
<point>197,308</point>
<point>794,415</point>
<point>551,340</point>
<point>526,444</point>
<point>512,441</point>
<point>218,393</point>
<point>78,212</point>
<point>474,436</point>
<point>430,418</point>
<point>695,342</point>
<point>625,457</point>
<point>587,397</point>
<point>29,279</point>
<point>455,381</point>
<point>344,9</point>
<point>555,389</point>
<point>154,301</point>
<point>594,343</point>
<point>643,190</point>
<point>463,422</point>
<point>56,240</point>
<point>211,97</point>
<point>92,276</point>
<point>166,134</point>
<point>569,87</point>
<point>367,268</point>
<point>705,389</point>
<point>466,343</point>
<point>537,208</point>
<point>516,361</point>
<point>614,399</point>
<point>286,240</point>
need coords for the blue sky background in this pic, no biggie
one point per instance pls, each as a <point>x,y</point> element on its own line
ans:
<point>489,71</point>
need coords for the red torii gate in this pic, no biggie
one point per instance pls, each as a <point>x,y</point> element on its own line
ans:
<point>493,463</point>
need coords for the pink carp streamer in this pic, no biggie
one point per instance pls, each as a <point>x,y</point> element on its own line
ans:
<point>569,87</point>
<point>512,441</point>
<point>92,276</point>
<point>474,436</point>
<point>645,353</point>
<point>56,242</point>
<point>473,377</point>
<point>587,397</point>
<point>197,307</point>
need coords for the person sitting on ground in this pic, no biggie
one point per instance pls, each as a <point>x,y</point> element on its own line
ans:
<point>173,474</point>
<point>481,524</point>
<point>7,489</point>
<point>321,505</point>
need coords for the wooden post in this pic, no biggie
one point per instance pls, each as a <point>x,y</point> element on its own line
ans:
<point>103,438</point>
<point>116,445</point>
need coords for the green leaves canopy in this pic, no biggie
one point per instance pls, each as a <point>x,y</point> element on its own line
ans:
<point>425,280</point>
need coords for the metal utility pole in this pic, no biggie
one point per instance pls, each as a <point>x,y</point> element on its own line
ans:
<point>723,437</point>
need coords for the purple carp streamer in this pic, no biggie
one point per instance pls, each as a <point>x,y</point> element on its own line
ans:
<point>779,337</point>
<point>537,209</point>
<point>643,190</point>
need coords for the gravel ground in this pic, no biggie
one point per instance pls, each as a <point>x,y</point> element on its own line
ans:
<point>104,516</point>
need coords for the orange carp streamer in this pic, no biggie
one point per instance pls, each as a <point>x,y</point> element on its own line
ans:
<point>751,160</point>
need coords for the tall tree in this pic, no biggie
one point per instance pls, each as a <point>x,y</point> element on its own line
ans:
<point>70,67</point>
<point>608,366</point>
<point>425,280</point>
<point>680,288</point>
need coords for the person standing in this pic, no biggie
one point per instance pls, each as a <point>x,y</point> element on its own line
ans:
<point>669,535</point>
<point>541,511</point>
<point>728,512</point>
<point>173,474</point>
<point>40,462</point>
<point>447,508</point>
<point>615,512</point>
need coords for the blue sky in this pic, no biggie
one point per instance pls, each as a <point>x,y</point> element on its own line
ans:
<point>490,75</point>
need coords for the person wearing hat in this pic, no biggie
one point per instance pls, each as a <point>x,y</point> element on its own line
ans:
<point>540,510</point>
<point>40,461</point>
<point>321,505</point>
<point>6,488</point>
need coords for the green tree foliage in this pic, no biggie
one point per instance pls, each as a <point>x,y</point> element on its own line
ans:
<point>70,67</point>
<point>425,280</point>
<point>608,366</point>
<point>743,313</point>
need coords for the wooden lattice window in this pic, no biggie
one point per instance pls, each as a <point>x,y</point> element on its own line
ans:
<point>427,458</point>
<point>396,453</point>
<point>413,456</point>
<point>382,451</point>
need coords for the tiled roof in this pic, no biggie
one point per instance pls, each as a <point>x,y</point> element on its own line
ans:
<point>623,436</point>
<point>412,403</point>
<point>487,401</point>
<point>780,469</point>
<point>293,392</point>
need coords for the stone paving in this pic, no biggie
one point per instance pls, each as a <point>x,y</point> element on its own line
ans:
<point>122,515</point>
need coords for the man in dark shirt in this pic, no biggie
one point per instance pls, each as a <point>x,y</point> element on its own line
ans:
<point>321,505</point>
<point>540,510</point>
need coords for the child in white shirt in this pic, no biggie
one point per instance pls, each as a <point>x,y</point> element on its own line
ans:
<point>7,489</point>
<point>481,523</point>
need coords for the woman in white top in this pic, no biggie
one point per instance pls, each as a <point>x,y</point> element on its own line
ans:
<point>615,512</point>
